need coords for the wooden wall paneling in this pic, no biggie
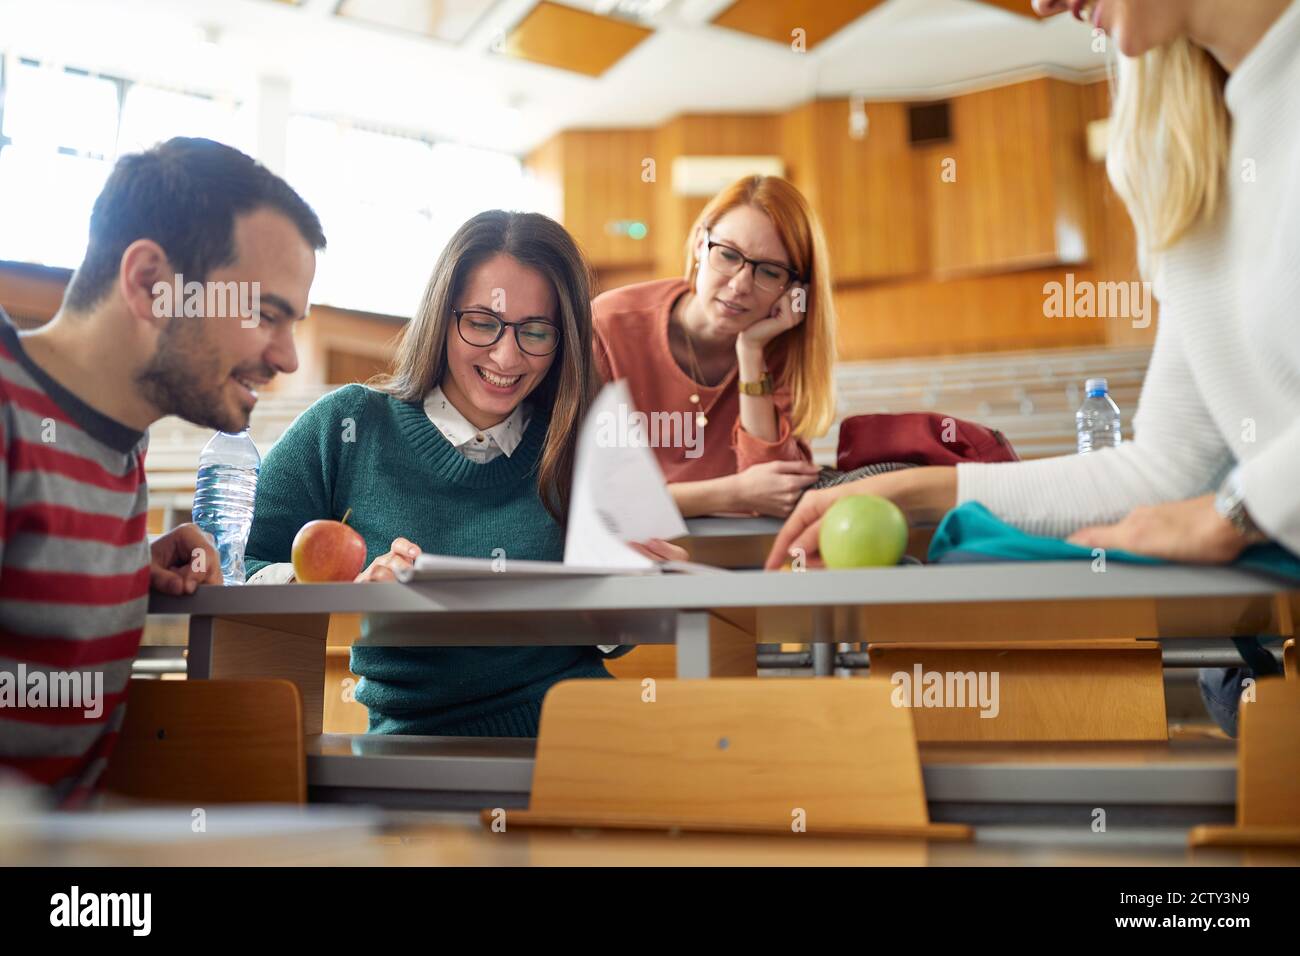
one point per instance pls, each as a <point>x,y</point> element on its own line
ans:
<point>603,183</point>
<point>1067,131</point>
<point>31,295</point>
<point>668,237</point>
<point>591,179</point>
<point>1114,253</point>
<point>869,206</point>
<point>799,150</point>
<point>546,165</point>
<point>615,277</point>
<point>1003,211</point>
<point>343,367</point>
<point>731,134</point>
<point>704,134</point>
<point>339,345</point>
<point>972,314</point>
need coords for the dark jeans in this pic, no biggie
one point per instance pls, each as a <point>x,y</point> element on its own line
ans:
<point>1221,691</point>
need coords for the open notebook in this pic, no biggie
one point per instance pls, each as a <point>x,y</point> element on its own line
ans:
<point>619,495</point>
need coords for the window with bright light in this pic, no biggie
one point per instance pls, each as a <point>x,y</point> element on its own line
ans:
<point>62,131</point>
<point>151,115</point>
<point>388,204</point>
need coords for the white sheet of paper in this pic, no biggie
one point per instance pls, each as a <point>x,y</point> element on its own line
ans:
<point>443,567</point>
<point>619,493</point>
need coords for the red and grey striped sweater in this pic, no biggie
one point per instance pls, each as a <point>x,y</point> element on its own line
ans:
<point>74,575</point>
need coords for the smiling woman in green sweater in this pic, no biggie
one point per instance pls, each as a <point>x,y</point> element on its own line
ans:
<point>466,447</point>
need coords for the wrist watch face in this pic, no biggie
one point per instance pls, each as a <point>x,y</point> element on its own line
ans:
<point>1231,504</point>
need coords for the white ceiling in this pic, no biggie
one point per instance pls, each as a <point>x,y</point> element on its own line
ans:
<point>465,92</point>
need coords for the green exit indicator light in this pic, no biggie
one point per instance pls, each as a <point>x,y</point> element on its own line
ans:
<point>632,228</point>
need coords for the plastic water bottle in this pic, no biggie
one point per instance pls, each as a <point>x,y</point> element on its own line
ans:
<point>223,497</point>
<point>1097,419</point>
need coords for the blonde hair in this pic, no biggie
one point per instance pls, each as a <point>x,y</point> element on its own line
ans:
<point>1170,136</point>
<point>809,348</point>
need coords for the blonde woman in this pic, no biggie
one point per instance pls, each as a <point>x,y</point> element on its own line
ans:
<point>1205,155</point>
<point>737,355</point>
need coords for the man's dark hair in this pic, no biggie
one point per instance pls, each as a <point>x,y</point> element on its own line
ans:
<point>183,194</point>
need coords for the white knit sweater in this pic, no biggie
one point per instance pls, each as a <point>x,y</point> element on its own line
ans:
<point>1224,381</point>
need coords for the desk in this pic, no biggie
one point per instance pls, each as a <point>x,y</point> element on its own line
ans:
<point>279,630</point>
<point>730,542</point>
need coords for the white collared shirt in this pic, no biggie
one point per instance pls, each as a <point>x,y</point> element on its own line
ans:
<point>479,445</point>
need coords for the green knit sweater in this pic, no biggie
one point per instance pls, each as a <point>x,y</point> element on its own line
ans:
<point>361,449</point>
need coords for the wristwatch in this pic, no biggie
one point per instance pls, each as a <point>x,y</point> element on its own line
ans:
<point>762,387</point>
<point>1230,503</point>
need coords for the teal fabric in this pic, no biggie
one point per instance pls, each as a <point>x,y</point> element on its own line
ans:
<point>361,449</point>
<point>972,532</point>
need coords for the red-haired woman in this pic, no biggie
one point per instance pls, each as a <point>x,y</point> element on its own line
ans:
<point>734,359</point>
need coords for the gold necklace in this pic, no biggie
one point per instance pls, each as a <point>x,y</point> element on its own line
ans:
<point>697,377</point>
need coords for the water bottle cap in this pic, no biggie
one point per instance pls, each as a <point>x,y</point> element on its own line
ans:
<point>1096,386</point>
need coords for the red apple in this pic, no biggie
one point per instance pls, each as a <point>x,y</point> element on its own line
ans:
<point>328,551</point>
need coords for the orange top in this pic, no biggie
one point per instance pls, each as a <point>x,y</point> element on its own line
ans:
<point>631,342</point>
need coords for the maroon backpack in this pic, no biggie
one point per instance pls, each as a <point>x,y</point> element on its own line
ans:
<point>919,438</point>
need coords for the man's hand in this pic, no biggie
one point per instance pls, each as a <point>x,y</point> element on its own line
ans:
<point>1189,531</point>
<point>182,559</point>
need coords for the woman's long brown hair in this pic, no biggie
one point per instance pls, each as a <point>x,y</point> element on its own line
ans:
<point>540,243</point>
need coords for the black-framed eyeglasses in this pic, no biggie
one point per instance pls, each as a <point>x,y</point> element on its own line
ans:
<point>483,329</point>
<point>728,260</point>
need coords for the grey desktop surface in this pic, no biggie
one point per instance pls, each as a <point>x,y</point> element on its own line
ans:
<point>931,584</point>
<point>726,526</point>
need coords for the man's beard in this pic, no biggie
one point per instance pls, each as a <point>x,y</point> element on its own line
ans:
<point>182,378</point>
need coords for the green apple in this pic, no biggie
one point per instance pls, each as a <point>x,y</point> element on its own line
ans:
<point>862,531</point>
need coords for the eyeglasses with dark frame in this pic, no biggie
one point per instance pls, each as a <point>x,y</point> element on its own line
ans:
<point>484,329</point>
<point>728,260</point>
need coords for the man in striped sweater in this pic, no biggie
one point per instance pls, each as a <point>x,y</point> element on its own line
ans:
<point>76,398</point>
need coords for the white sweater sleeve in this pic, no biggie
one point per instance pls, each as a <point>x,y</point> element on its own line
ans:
<point>1176,453</point>
<point>1268,481</point>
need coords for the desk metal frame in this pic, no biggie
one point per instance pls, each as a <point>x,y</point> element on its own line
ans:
<point>674,608</point>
